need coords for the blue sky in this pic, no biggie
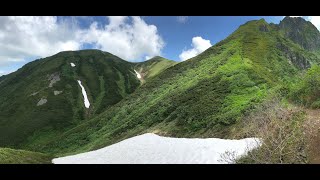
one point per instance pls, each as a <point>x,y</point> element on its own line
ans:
<point>24,39</point>
<point>178,35</point>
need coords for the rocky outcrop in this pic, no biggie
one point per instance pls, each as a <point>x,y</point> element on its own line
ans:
<point>295,58</point>
<point>33,94</point>
<point>264,28</point>
<point>42,102</point>
<point>53,78</point>
<point>301,32</point>
<point>57,92</point>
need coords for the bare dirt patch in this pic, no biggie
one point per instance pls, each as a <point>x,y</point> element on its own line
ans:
<point>312,130</point>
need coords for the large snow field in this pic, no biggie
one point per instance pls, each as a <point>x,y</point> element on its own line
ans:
<point>153,149</point>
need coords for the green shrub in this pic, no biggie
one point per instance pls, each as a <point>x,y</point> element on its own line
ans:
<point>315,105</point>
<point>281,132</point>
<point>306,90</point>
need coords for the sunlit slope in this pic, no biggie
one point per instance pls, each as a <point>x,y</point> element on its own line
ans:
<point>11,156</point>
<point>201,97</point>
<point>43,98</point>
<point>153,67</point>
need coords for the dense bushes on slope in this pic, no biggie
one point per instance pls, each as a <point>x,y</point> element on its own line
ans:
<point>306,90</point>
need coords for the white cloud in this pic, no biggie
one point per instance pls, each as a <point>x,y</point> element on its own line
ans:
<point>199,45</point>
<point>130,41</point>
<point>315,20</point>
<point>182,19</point>
<point>4,72</point>
<point>22,37</point>
<point>130,38</point>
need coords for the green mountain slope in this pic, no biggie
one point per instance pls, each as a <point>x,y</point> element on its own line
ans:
<point>43,98</point>
<point>201,97</point>
<point>10,156</point>
<point>153,67</point>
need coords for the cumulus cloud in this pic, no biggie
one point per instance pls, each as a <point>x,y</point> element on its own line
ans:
<point>198,46</point>
<point>130,38</point>
<point>130,41</point>
<point>22,37</point>
<point>315,20</point>
<point>148,57</point>
<point>182,19</point>
<point>4,72</point>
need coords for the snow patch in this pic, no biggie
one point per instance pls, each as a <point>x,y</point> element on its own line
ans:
<point>85,97</point>
<point>72,65</point>
<point>138,74</point>
<point>153,149</point>
<point>42,102</point>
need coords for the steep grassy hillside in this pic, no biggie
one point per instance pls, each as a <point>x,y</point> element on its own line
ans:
<point>202,97</point>
<point>43,98</point>
<point>11,156</point>
<point>153,67</point>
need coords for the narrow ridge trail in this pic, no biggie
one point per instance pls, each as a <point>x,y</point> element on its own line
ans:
<point>312,125</point>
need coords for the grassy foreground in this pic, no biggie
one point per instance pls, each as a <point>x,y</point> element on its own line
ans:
<point>11,156</point>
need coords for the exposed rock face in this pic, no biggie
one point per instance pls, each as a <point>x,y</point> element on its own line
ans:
<point>57,92</point>
<point>263,28</point>
<point>33,94</point>
<point>301,32</point>
<point>296,58</point>
<point>53,78</point>
<point>42,102</point>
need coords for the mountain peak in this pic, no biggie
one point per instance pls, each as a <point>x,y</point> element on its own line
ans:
<point>289,18</point>
<point>158,58</point>
<point>301,32</point>
<point>263,20</point>
<point>80,51</point>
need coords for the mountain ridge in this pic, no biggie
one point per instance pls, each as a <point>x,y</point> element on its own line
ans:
<point>205,96</point>
<point>301,32</point>
<point>45,93</point>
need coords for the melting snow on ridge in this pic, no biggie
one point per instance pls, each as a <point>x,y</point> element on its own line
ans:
<point>72,64</point>
<point>138,74</point>
<point>153,149</point>
<point>85,97</point>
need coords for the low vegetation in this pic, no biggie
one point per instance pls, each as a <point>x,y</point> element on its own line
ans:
<point>244,86</point>
<point>204,96</point>
<point>306,90</point>
<point>281,130</point>
<point>11,156</point>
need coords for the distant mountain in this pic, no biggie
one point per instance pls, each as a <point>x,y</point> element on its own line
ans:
<point>45,97</point>
<point>45,93</point>
<point>41,105</point>
<point>301,32</point>
<point>205,96</point>
<point>153,67</point>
